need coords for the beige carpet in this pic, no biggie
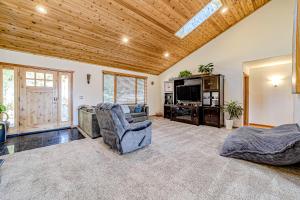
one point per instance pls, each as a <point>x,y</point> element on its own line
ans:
<point>182,163</point>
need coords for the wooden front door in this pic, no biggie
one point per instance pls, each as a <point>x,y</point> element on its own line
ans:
<point>38,100</point>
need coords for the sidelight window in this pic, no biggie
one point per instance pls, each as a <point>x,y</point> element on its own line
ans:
<point>65,97</point>
<point>9,94</point>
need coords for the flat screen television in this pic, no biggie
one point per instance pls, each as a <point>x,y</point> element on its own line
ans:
<point>188,93</point>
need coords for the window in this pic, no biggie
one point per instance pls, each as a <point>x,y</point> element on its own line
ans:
<point>108,89</point>
<point>140,91</point>
<point>123,88</point>
<point>65,96</point>
<point>9,94</point>
<point>199,18</point>
<point>38,79</point>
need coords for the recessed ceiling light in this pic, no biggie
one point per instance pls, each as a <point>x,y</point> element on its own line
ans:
<point>166,54</point>
<point>125,40</point>
<point>224,10</point>
<point>41,9</point>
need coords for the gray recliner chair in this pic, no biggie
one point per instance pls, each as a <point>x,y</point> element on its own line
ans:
<point>118,133</point>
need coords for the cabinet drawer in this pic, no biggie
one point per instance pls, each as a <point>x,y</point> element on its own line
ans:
<point>211,116</point>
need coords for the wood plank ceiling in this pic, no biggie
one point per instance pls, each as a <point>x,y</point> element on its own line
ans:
<point>91,30</point>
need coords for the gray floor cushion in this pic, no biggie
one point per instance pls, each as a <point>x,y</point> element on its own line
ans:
<point>276,146</point>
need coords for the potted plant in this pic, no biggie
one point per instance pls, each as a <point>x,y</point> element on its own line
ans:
<point>4,113</point>
<point>206,69</point>
<point>4,123</point>
<point>235,110</point>
<point>185,73</point>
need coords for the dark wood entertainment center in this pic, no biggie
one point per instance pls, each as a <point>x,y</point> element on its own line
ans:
<point>206,111</point>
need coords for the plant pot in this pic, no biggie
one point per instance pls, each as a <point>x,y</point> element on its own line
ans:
<point>3,132</point>
<point>229,124</point>
<point>6,122</point>
<point>7,125</point>
<point>205,73</point>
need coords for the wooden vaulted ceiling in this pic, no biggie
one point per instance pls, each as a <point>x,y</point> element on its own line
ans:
<point>91,30</point>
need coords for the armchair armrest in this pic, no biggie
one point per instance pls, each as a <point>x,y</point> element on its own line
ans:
<point>139,126</point>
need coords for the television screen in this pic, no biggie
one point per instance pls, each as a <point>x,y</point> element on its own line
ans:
<point>188,93</point>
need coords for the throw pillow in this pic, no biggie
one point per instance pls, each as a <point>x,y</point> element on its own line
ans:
<point>138,108</point>
<point>125,109</point>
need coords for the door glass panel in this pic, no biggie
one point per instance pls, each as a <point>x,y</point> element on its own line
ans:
<point>40,83</point>
<point>30,82</point>
<point>64,98</point>
<point>40,76</point>
<point>9,94</point>
<point>30,75</point>
<point>49,77</point>
<point>49,83</point>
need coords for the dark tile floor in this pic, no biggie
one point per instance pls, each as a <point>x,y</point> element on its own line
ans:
<point>37,140</point>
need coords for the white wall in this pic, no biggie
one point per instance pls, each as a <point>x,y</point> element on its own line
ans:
<point>266,102</point>
<point>92,93</point>
<point>266,33</point>
<point>297,108</point>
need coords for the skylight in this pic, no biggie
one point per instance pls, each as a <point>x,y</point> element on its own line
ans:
<point>199,18</point>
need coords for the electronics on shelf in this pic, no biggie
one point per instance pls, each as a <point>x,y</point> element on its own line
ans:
<point>195,100</point>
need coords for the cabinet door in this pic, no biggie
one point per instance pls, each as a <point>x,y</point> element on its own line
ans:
<point>206,98</point>
<point>215,99</point>
<point>211,116</point>
<point>211,83</point>
<point>168,87</point>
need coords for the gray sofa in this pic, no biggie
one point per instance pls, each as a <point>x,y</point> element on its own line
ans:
<point>118,133</point>
<point>134,117</point>
<point>87,121</point>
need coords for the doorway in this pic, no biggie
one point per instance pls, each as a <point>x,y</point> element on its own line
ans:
<point>268,99</point>
<point>36,99</point>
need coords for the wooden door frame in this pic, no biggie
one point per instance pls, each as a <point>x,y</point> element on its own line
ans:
<point>296,49</point>
<point>25,92</point>
<point>17,68</point>
<point>246,99</point>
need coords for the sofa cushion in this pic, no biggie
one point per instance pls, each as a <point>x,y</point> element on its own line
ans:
<point>140,114</point>
<point>125,109</point>
<point>138,108</point>
<point>277,146</point>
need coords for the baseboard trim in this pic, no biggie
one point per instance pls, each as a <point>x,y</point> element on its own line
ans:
<point>156,115</point>
<point>261,125</point>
